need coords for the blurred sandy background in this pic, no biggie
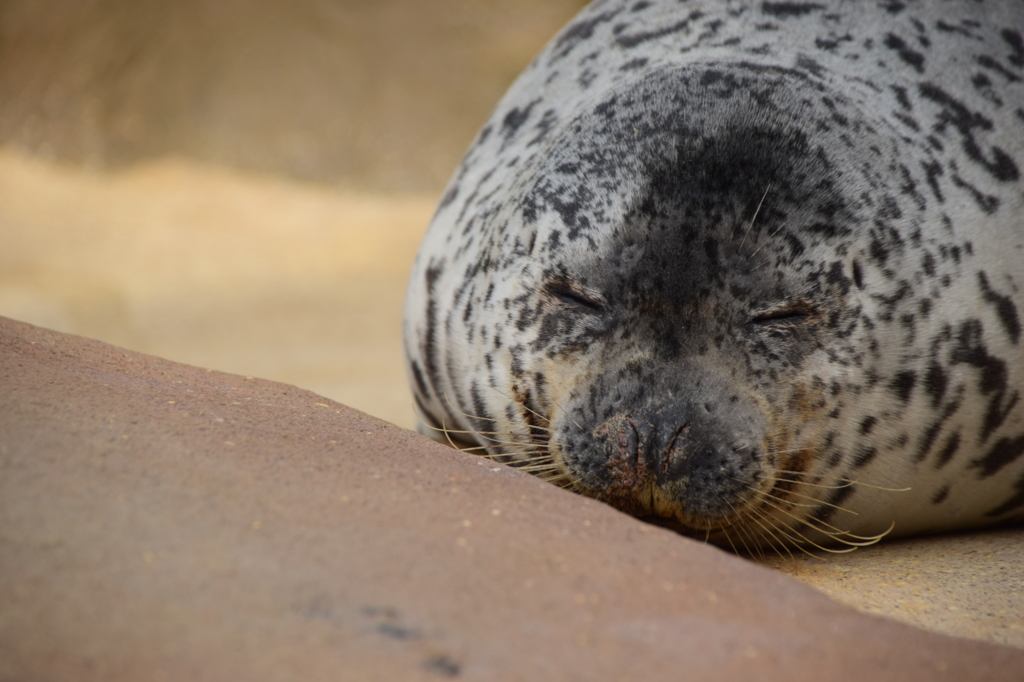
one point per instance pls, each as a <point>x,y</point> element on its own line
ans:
<point>242,185</point>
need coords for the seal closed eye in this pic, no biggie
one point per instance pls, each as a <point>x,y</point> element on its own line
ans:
<point>573,297</point>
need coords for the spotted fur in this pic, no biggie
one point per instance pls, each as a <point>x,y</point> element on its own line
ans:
<point>754,267</point>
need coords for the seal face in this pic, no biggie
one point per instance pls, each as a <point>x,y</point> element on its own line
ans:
<point>754,268</point>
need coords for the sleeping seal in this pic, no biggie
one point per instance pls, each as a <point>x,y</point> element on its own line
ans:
<point>754,268</point>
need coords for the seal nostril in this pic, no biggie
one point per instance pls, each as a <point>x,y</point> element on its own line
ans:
<point>628,442</point>
<point>707,408</point>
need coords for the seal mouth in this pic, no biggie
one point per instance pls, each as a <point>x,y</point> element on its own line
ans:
<point>672,463</point>
<point>749,496</point>
<point>659,507</point>
<point>707,533</point>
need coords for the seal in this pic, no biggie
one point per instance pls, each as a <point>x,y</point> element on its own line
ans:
<point>753,268</point>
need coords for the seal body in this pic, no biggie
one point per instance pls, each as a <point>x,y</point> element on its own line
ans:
<point>755,268</point>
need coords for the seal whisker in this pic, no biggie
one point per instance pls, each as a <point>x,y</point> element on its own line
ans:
<point>527,457</point>
<point>566,413</point>
<point>479,433</point>
<point>768,530</point>
<point>498,442</point>
<point>546,466</point>
<point>743,533</point>
<point>525,407</point>
<point>494,419</point>
<point>806,520</point>
<point>777,230</point>
<point>756,211</point>
<point>563,481</point>
<point>804,540</point>
<point>441,429</point>
<point>485,434</point>
<point>772,532</point>
<point>756,541</point>
<point>847,482</point>
<point>800,481</point>
<point>816,502</point>
<point>494,442</point>
<point>485,450</point>
<point>833,533</point>
<point>745,530</point>
<point>725,531</point>
<point>513,439</point>
<point>867,540</point>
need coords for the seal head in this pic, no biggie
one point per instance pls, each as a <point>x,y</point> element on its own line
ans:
<point>677,332</point>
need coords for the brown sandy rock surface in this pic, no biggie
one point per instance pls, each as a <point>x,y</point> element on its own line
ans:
<point>160,521</point>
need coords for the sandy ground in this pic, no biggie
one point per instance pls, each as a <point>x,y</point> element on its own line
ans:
<point>968,585</point>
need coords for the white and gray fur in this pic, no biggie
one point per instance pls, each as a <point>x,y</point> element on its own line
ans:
<point>714,261</point>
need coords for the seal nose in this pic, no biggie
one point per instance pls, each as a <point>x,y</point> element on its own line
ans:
<point>693,457</point>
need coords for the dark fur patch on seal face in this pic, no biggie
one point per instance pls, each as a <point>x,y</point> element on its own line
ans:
<point>755,273</point>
